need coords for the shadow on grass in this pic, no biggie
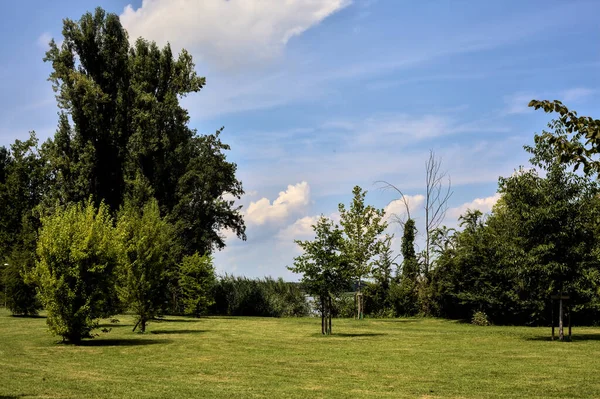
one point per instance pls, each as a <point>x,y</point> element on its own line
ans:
<point>24,316</point>
<point>168,332</point>
<point>396,320</point>
<point>113,325</point>
<point>358,334</point>
<point>574,338</point>
<point>21,395</point>
<point>175,320</point>
<point>123,342</point>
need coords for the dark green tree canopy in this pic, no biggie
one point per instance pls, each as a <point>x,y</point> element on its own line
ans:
<point>123,134</point>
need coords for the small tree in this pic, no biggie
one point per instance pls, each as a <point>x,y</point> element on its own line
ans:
<point>21,296</point>
<point>325,271</point>
<point>75,270</point>
<point>197,280</point>
<point>362,225</point>
<point>144,239</point>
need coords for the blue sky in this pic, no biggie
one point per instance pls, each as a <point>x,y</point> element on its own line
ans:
<point>317,96</point>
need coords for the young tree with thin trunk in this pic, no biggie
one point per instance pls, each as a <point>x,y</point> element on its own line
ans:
<point>362,226</point>
<point>144,239</point>
<point>325,271</point>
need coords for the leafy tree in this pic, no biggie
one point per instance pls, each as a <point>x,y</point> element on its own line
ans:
<point>379,292</point>
<point>123,134</point>
<point>324,268</point>
<point>144,238</point>
<point>197,281</point>
<point>22,185</point>
<point>578,143</point>
<point>75,271</point>
<point>20,296</point>
<point>406,293</point>
<point>362,225</point>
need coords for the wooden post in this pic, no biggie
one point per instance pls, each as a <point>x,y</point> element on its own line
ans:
<point>569,310</point>
<point>552,307</point>
<point>330,307</point>
<point>561,332</point>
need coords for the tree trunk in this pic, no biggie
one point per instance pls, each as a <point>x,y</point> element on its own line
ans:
<point>143,325</point>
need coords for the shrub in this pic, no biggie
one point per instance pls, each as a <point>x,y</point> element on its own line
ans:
<point>480,319</point>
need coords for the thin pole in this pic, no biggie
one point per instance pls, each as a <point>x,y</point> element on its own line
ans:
<point>561,333</point>
<point>552,307</point>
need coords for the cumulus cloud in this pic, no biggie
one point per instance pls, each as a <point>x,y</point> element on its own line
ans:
<point>292,200</point>
<point>262,27</point>
<point>483,204</point>
<point>397,209</point>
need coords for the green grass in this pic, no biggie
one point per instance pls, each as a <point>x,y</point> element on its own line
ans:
<point>288,358</point>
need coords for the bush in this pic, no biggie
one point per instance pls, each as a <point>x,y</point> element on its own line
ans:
<point>480,319</point>
<point>75,272</point>
<point>241,296</point>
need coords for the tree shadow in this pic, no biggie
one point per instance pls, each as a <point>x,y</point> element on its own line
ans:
<point>175,320</point>
<point>26,316</point>
<point>113,325</point>
<point>169,332</point>
<point>123,342</point>
<point>396,320</point>
<point>21,395</point>
<point>358,334</point>
<point>574,338</point>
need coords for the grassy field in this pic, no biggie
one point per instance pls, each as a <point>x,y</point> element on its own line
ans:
<point>288,358</point>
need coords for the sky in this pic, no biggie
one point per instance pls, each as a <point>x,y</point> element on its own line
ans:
<point>317,96</point>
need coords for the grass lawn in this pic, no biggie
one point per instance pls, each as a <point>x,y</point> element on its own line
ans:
<point>287,358</point>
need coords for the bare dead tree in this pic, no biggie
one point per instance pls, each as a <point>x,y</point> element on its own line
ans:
<point>436,203</point>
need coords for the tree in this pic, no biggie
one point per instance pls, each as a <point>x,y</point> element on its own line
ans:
<point>144,239</point>
<point>579,142</point>
<point>123,134</point>
<point>75,271</point>
<point>197,280</point>
<point>436,204</point>
<point>22,185</point>
<point>324,268</point>
<point>362,225</point>
<point>406,298</point>
<point>383,276</point>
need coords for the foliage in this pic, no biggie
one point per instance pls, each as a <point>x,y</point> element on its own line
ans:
<point>144,238</point>
<point>123,134</point>
<point>21,297</point>
<point>197,282</point>
<point>541,239</point>
<point>361,225</point>
<point>75,271</point>
<point>325,270</point>
<point>480,319</point>
<point>578,143</point>
<point>241,296</point>
<point>377,293</point>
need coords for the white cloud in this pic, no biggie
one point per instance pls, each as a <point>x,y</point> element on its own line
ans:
<point>44,40</point>
<point>576,94</point>
<point>397,209</point>
<point>518,103</point>
<point>294,199</point>
<point>485,205</point>
<point>229,34</point>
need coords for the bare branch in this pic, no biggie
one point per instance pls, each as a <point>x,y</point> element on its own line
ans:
<point>390,186</point>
